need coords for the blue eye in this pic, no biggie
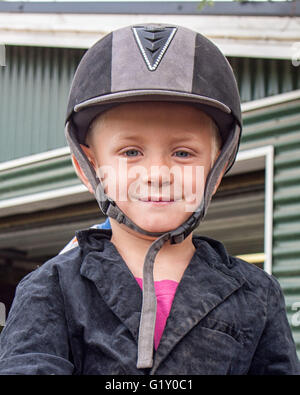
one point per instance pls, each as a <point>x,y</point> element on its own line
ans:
<point>182,154</point>
<point>131,152</point>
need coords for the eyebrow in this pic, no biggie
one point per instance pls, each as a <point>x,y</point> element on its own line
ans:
<point>137,137</point>
<point>121,137</point>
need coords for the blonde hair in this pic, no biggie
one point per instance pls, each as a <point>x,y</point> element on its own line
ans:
<point>216,142</point>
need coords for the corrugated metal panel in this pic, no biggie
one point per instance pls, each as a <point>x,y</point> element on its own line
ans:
<point>258,78</point>
<point>35,84</point>
<point>34,89</point>
<point>280,126</point>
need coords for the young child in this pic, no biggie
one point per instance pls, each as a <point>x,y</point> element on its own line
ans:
<point>153,124</point>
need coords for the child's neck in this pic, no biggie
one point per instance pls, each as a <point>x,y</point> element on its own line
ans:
<point>170,263</point>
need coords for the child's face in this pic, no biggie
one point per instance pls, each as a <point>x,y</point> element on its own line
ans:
<point>153,159</point>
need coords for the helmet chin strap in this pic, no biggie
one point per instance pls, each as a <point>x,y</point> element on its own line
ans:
<point>177,235</point>
<point>149,305</point>
<point>110,208</point>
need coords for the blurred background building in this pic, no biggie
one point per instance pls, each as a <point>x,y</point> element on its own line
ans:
<point>255,213</point>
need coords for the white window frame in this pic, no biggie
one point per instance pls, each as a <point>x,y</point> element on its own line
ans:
<point>255,159</point>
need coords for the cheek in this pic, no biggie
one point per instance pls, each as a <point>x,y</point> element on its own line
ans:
<point>119,180</point>
<point>193,182</point>
<point>111,179</point>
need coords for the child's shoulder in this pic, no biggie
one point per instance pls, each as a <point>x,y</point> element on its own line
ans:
<point>216,255</point>
<point>67,264</point>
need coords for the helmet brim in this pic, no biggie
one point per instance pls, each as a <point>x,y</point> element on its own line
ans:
<point>85,112</point>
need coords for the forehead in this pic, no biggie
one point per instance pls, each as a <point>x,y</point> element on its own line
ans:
<point>134,120</point>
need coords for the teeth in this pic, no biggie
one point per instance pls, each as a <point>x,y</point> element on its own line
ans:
<point>156,199</point>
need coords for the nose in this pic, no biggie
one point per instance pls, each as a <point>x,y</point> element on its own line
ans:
<point>158,174</point>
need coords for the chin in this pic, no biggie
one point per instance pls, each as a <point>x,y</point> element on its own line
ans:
<point>158,226</point>
<point>153,220</point>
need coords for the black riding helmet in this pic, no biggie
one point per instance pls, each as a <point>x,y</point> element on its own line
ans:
<point>154,62</point>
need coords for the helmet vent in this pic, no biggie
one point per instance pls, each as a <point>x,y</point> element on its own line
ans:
<point>153,42</point>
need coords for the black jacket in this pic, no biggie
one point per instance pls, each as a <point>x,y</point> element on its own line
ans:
<point>79,313</point>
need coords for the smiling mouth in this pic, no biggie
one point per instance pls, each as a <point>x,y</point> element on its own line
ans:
<point>160,199</point>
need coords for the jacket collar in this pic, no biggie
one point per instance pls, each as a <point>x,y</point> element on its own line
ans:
<point>208,280</point>
<point>104,266</point>
<point>206,283</point>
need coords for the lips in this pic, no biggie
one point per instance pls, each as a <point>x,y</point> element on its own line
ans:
<point>157,199</point>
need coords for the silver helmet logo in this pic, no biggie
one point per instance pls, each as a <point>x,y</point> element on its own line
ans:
<point>153,42</point>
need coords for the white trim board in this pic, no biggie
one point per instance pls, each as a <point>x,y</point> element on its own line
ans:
<point>270,101</point>
<point>245,36</point>
<point>36,158</point>
<point>44,200</point>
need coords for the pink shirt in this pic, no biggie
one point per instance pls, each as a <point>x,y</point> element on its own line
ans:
<point>165,292</point>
